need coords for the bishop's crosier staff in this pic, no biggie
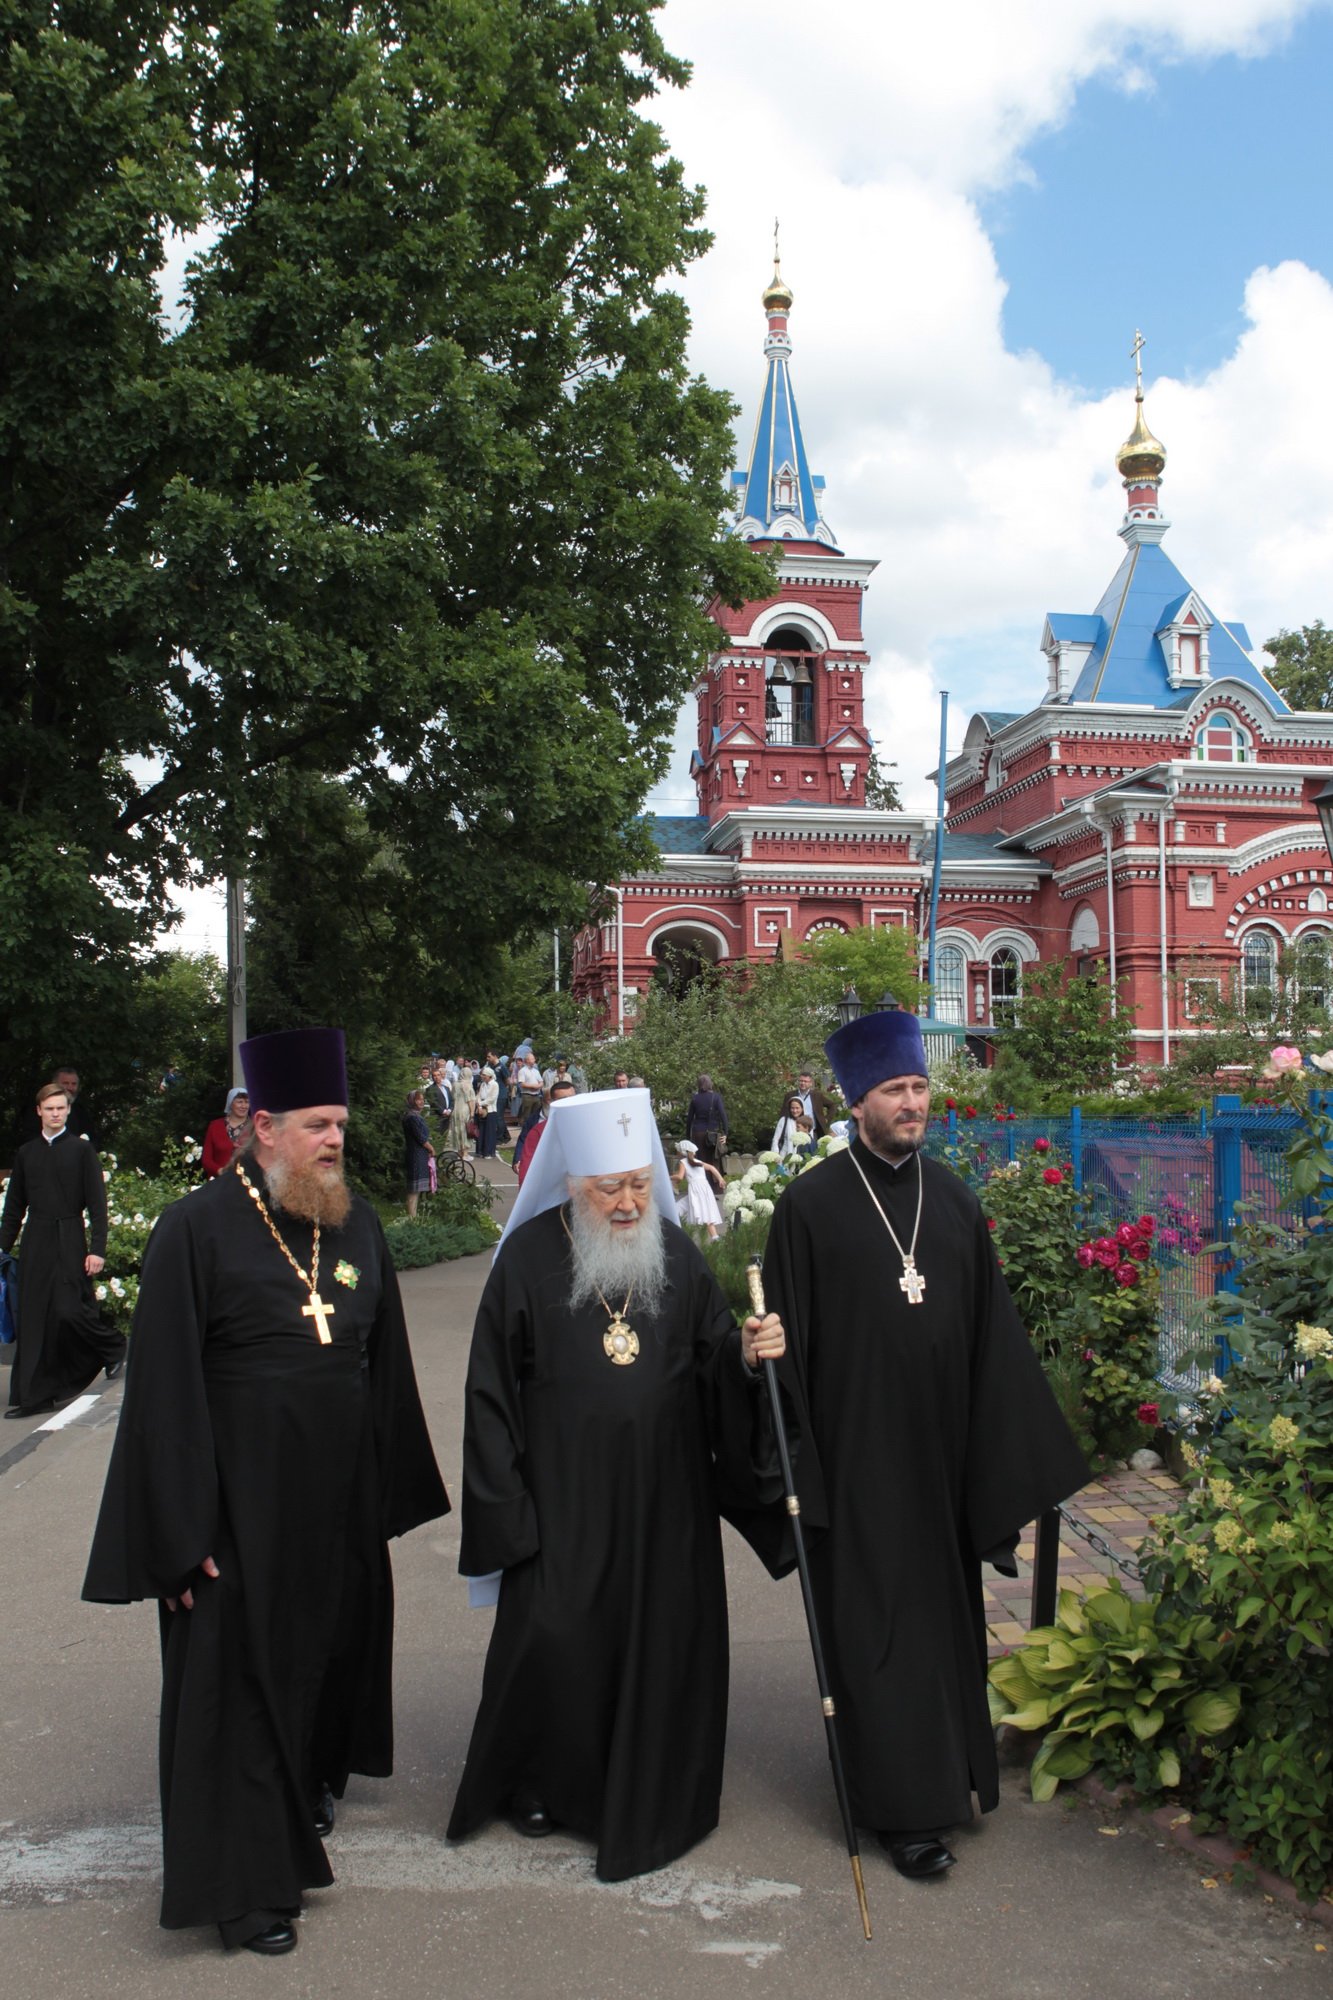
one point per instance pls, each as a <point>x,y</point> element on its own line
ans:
<point>755,1276</point>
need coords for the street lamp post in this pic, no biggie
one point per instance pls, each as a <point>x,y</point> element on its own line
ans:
<point>849,1008</point>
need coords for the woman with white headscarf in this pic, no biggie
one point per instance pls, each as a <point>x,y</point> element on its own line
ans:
<point>225,1136</point>
<point>488,1114</point>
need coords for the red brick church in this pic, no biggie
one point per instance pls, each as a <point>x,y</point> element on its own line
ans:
<point>1152,813</point>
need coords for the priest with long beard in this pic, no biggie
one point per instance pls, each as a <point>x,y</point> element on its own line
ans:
<point>613,1412</point>
<point>270,1444</point>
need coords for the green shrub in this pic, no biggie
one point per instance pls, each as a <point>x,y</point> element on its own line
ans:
<point>1115,1683</point>
<point>414,1244</point>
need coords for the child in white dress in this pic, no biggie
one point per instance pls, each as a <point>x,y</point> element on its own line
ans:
<point>697,1203</point>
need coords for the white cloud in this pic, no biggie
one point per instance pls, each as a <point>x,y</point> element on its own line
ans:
<point>985,484</point>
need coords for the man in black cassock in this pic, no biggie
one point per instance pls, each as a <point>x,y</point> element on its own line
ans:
<point>271,1442</point>
<point>929,1438</point>
<point>612,1412</point>
<point>63,1341</point>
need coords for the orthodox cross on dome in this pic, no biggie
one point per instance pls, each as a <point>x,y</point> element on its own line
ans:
<point>1141,460</point>
<point>778,497</point>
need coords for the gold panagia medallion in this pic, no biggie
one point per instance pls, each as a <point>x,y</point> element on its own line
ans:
<point>621,1343</point>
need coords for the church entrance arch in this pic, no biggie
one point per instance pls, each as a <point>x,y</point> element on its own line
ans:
<point>681,951</point>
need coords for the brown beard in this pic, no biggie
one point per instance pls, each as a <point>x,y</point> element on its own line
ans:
<point>311,1193</point>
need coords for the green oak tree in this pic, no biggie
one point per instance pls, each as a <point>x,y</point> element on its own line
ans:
<point>1303,673</point>
<point>414,495</point>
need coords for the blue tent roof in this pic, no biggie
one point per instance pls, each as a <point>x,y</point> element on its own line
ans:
<point>779,449</point>
<point>1128,662</point>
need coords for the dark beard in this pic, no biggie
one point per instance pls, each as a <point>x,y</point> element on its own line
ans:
<point>310,1193</point>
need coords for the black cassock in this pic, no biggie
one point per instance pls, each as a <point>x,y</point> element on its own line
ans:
<point>291,1463</point>
<point>930,1439</point>
<point>597,1489</point>
<point>63,1340</point>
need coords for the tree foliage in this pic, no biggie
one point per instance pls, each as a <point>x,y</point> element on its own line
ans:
<point>1066,1033</point>
<point>1303,673</point>
<point>417,495</point>
<point>875,959</point>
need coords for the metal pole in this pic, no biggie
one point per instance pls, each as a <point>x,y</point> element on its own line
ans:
<point>939,856</point>
<point>1161,926</point>
<point>620,962</point>
<point>1045,1568</point>
<point>555,936</point>
<point>754,1275</point>
<point>1110,916</point>
<point>236,972</point>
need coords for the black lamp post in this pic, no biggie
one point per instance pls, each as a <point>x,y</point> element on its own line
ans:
<point>889,1003</point>
<point>849,1008</point>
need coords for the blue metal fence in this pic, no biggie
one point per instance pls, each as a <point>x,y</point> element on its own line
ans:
<point>1189,1173</point>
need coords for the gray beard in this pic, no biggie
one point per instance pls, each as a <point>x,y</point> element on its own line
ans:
<point>612,1261</point>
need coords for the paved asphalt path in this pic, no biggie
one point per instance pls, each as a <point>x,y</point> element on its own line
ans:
<point>1060,1900</point>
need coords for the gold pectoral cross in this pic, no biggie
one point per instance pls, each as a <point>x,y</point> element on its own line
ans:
<point>317,1310</point>
<point>912,1282</point>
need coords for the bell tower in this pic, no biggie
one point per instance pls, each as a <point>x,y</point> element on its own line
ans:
<point>781,706</point>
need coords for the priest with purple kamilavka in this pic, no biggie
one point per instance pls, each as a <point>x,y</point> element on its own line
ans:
<point>271,1444</point>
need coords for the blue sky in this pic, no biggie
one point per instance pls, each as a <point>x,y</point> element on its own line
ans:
<point>1214,168</point>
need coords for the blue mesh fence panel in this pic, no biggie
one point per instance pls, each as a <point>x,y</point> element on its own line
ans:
<point>1188,1173</point>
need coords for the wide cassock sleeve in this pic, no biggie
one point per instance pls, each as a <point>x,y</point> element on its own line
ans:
<point>411,1490</point>
<point>499,1518</point>
<point>739,1420</point>
<point>94,1201</point>
<point>16,1204</point>
<point>158,1518</point>
<point>1021,1455</point>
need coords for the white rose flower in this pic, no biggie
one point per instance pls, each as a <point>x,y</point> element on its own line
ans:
<point>1324,1062</point>
<point>118,1288</point>
<point>99,1291</point>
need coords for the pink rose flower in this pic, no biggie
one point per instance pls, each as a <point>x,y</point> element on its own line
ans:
<point>1169,1237</point>
<point>1140,1251</point>
<point>1041,1145</point>
<point>1283,1057</point>
<point>1085,1256</point>
<point>1107,1258</point>
<point>1149,1414</point>
<point>1052,1176</point>
<point>1126,1275</point>
<point>1126,1234</point>
<point>1147,1224</point>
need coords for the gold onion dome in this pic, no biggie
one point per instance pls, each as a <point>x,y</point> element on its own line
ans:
<point>777,295</point>
<point>1141,456</point>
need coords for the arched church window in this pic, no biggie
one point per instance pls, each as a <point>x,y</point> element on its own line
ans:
<point>1006,986</point>
<point>1316,900</point>
<point>1313,984</point>
<point>1219,739</point>
<point>950,984</point>
<point>1258,974</point>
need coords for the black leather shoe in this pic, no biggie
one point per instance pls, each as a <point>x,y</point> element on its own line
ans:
<point>529,1815</point>
<point>113,1368</point>
<point>918,1856</point>
<point>30,1409</point>
<point>321,1807</point>
<point>274,1941</point>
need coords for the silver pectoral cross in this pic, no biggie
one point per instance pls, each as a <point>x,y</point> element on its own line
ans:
<point>912,1282</point>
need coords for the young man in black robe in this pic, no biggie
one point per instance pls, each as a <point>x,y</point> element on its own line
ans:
<point>929,1438</point>
<point>63,1341</point>
<point>613,1411</point>
<point>271,1443</point>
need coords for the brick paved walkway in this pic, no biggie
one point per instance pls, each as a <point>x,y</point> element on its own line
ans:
<point>1118,1507</point>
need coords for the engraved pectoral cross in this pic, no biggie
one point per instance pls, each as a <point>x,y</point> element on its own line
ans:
<point>912,1283</point>
<point>317,1310</point>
